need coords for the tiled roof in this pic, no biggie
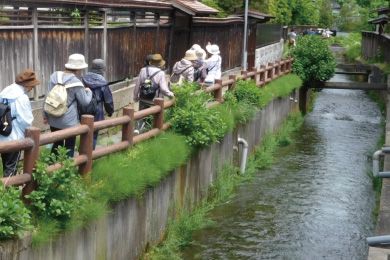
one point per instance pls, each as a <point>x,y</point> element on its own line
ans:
<point>383,9</point>
<point>193,7</point>
<point>381,19</point>
<point>210,20</point>
<point>101,3</point>
<point>255,14</point>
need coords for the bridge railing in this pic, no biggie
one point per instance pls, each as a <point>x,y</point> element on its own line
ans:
<point>34,139</point>
<point>373,42</point>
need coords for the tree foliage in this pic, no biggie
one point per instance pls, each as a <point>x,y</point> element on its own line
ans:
<point>314,62</point>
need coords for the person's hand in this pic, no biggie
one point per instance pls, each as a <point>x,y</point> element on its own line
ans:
<point>44,121</point>
<point>87,89</point>
<point>209,43</point>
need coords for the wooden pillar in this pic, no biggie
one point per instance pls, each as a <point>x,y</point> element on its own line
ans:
<point>134,43</point>
<point>263,75</point>
<point>245,73</point>
<point>170,43</point>
<point>271,70</point>
<point>232,86</point>
<point>158,119</point>
<point>255,78</point>
<point>218,92</point>
<point>86,144</point>
<point>128,129</point>
<point>36,64</point>
<point>105,37</point>
<point>157,20</point>
<point>86,37</point>
<point>30,158</point>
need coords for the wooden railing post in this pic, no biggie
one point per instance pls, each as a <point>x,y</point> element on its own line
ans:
<point>255,77</point>
<point>30,159</point>
<point>86,144</point>
<point>218,92</point>
<point>158,119</point>
<point>232,86</point>
<point>283,67</point>
<point>128,129</point>
<point>263,74</point>
<point>245,73</point>
<point>271,70</point>
<point>277,69</point>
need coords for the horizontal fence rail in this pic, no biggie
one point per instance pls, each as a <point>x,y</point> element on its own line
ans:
<point>33,140</point>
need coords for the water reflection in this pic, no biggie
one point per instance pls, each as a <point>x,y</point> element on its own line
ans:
<point>317,200</point>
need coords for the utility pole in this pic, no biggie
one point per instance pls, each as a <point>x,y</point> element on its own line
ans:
<point>245,54</point>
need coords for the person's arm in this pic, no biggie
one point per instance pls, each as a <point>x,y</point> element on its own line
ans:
<point>163,84</point>
<point>108,101</point>
<point>137,87</point>
<point>24,116</point>
<point>190,74</point>
<point>83,95</point>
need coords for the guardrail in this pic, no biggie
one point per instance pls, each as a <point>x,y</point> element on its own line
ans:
<point>34,139</point>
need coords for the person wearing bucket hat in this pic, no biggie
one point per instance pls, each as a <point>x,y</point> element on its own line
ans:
<point>77,94</point>
<point>185,67</point>
<point>16,96</point>
<point>99,86</point>
<point>155,74</point>
<point>213,64</point>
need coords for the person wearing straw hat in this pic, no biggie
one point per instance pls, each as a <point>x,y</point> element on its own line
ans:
<point>213,64</point>
<point>16,96</point>
<point>200,72</point>
<point>185,67</point>
<point>98,84</point>
<point>154,70</point>
<point>77,94</point>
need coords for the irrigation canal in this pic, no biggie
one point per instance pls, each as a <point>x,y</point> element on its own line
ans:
<point>316,202</point>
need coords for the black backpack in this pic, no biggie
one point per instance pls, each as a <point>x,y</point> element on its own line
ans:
<point>149,87</point>
<point>91,108</point>
<point>5,118</point>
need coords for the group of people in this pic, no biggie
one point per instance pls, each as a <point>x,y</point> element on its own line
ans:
<point>80,92</point>
<point>196,66</point>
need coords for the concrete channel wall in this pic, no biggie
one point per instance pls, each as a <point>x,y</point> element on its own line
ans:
<point>137,223</point>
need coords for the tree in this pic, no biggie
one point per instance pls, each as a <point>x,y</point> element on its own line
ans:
<point>314,62</point>
<point>326,16</point>
<point>282,10</point>
<point>304,12</point>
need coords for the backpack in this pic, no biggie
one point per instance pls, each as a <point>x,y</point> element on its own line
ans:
<point>177,78</point>
<point>55,103</point>
<point>149,87</point>
<point>197,74</point>
<point>5,118</point>
<point>89,109</point>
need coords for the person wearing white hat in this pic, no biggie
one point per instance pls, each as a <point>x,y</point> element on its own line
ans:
<point>213,64</point>
<point>76,94</point>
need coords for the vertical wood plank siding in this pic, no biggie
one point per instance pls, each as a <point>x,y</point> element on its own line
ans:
<point>124,43</point>
<point>228,37</point>
<point>373,42</point>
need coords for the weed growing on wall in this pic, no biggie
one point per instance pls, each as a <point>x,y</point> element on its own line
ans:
<point>14,216</point>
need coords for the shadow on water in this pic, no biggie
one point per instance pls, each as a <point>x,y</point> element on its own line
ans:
<point>316,202</point>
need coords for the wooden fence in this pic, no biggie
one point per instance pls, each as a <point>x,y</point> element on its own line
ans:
<point>375,45</point>
<point>33,140</point>
<point>43,38</point>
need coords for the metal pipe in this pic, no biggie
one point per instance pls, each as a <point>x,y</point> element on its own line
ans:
<point>378,241</point>
<point>375,162</point>
<point>244,153</point>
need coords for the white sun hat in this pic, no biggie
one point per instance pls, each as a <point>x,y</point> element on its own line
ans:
<point>76,62</point>
<point>195,47</point>
<point>213,49</point>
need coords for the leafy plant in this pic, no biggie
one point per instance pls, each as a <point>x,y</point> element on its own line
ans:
<point>14,216</point>
<point>248,91</point>
<point>60,193</point>
<point>314,62</point>
<point>192,119</point>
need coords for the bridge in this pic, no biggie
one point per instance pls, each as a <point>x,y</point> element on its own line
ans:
<point>359,69</point>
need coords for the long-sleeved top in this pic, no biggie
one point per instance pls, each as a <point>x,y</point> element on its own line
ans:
<point>185,68</point>
<point>159,79</point>
<point>20,110</point>
<point>99,86</point>
<point>75,94</point>
<point>213,65</point>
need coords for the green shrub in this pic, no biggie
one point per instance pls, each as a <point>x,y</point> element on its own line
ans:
<point>314,62</point>
<point>14,216</point>
<point>354,51</point>
<point>242,111</point>
<point>248,92</point>
<point>192,119</point>
<point>60,193</point>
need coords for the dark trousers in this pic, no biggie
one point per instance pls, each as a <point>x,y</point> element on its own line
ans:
<point>10,163</point>
<point>95,137</point>
<point>69,144</point>
<point>140,122</point>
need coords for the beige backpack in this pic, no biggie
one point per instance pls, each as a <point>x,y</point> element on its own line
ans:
<point>56,101</point>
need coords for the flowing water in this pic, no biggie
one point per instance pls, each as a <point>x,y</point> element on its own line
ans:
<point>316,202</point>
